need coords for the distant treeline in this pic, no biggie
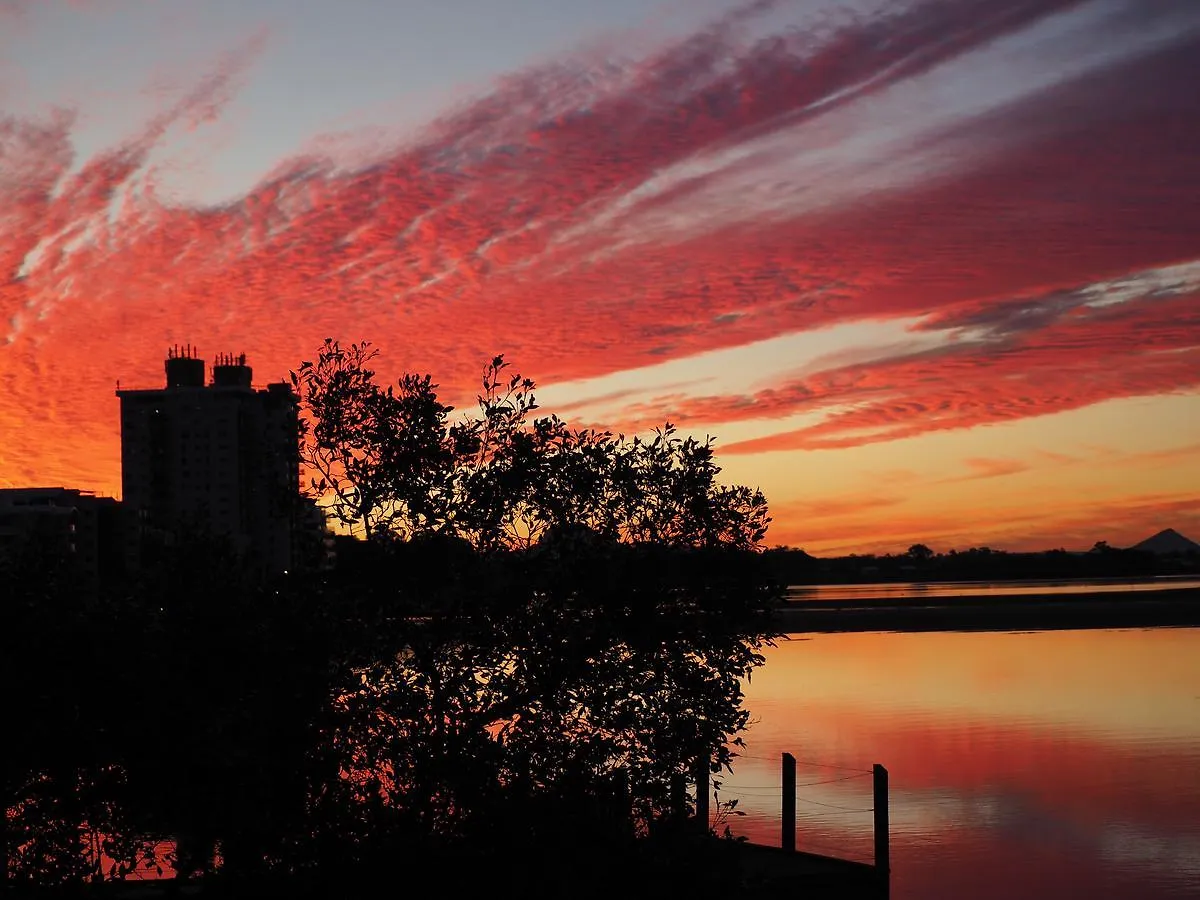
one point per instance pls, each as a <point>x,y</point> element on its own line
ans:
<point>794,566</point>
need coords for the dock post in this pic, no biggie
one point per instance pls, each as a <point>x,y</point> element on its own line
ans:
<point>789,802</point>
<point>883,856</point>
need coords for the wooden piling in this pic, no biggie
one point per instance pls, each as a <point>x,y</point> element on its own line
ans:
<point>789,802</point>
<point>883,856</point>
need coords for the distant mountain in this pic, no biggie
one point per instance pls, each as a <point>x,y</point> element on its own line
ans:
<point>1167,541</point>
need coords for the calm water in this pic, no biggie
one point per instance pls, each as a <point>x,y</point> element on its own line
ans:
<point>923,590</point>
<point>1034,765</point>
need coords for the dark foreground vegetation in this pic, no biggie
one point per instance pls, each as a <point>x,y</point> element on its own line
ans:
<point>506,688</point>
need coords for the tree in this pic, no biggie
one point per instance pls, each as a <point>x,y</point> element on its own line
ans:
<point>617,600</point>
<point>64,782</point>
<point>920,553</point>
<point>388,462</point>
<point>381,459</point>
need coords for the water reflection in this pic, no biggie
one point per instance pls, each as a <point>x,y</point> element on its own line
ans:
<point>1035,765</point>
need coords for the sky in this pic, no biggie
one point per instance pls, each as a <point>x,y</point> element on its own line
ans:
<point>927,271</point>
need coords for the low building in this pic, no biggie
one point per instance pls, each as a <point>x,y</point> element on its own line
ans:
<point>70,524</point>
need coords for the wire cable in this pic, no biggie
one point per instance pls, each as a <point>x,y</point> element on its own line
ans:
<point>835,806</point>
<point>833,780</point>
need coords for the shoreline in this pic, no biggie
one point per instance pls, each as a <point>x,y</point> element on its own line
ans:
<point>1169,607</point>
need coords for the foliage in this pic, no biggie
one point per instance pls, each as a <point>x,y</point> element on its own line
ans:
<point>388,461</point>
<point>65,810</point>
<point>381,457</point>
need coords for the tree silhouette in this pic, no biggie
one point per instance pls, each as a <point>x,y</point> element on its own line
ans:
<point>602,632</point>
<point>380,458</point>
<point>388,462</point>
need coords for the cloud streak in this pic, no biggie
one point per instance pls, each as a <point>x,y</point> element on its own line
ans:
<point>997,361</point>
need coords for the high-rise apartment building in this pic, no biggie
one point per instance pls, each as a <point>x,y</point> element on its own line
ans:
<point>218,458</point>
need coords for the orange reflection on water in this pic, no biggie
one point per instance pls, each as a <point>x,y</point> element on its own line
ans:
<point>1077,749</point>
<point>1111,681</point>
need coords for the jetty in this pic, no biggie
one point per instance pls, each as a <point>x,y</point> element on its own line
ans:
<point>784,871</point>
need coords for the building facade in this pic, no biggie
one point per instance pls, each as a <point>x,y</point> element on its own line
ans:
<point>218,458</point>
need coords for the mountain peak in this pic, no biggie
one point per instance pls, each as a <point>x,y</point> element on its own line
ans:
<point>1167,541</point>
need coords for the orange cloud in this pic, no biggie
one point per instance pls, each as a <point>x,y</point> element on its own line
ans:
<point>983,467</point>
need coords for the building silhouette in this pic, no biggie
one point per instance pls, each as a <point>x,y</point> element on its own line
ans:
<point>217,459</point>
<point>74,526</point>
<point>315,547</point>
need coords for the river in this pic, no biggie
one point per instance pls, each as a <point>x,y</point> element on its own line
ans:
<point>1053,764</point>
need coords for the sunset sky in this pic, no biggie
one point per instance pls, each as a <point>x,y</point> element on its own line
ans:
<point>928,271</point>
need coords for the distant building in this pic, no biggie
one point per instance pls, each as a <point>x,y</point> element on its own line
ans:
<point>77,526</point>
<point>314,547</point>
<point>218,458</point>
